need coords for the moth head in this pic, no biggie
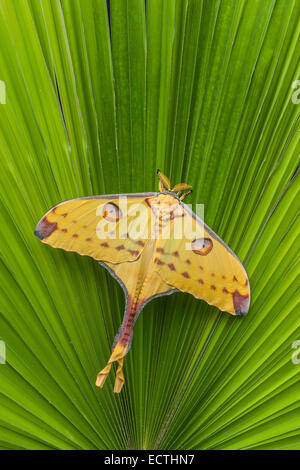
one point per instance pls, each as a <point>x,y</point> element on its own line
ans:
<point>165,185</point>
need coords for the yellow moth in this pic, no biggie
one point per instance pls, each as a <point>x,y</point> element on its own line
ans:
<point>154,245</point>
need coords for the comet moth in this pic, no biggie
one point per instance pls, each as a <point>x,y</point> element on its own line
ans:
<point>153,245</point>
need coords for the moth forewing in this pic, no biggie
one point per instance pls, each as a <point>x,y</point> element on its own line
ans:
<point>138,227</point>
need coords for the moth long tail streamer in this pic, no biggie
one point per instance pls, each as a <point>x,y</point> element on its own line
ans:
<point>117,355</point>
<point>120,349</point>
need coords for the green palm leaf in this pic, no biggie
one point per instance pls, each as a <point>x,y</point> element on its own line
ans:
<point>96,100</point>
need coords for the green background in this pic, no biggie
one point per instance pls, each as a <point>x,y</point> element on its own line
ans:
<point>96,101</point>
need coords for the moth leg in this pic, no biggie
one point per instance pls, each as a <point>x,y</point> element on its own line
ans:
<point>185,194</point>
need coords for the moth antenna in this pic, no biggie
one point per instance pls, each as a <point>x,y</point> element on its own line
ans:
<point>164,180</point>
<point>181,187</point>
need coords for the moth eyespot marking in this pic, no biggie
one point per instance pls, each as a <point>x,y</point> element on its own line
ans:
<point>213,287</point>
<point>200,281</point>
<point>75,235</point>
<point>234,278</point>
<point>212,274</point>
<point>88,239</point>
<point>202,246</point>
<point>120,247</point>
<point>172,267</point>
<point>223,277</point>
<point>112,212</point>
<point>105,244</point>
<point>64,230</point>
<point>186,275</point>
<point>225,290</point>
<point>201,267</point>
<point>160,250</point>
<point>175,253</point>
<point>140,243</point>
<point>65,214</point>
<point>158,261</point>
<point>188,261</point>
